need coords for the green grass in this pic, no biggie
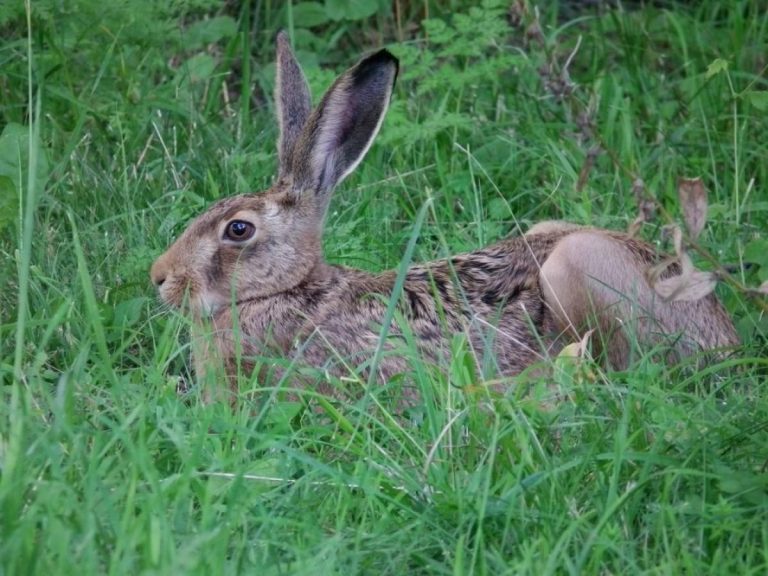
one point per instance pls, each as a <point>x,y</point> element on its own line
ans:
<point>145,116</point>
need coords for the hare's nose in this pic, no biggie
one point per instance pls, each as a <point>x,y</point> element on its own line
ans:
<point>158,274</point>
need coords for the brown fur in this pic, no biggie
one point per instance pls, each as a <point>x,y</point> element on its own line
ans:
<point>517,301</point>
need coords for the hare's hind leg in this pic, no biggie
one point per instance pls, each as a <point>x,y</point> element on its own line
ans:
<point>577,299</point>
<point>592,279</point>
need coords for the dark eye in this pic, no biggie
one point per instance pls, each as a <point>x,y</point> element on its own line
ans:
<point>239,231</point>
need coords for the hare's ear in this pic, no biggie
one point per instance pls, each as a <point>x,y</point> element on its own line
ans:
<point>342,128</point>
<point>292,100</point>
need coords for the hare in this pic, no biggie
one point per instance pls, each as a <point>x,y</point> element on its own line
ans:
<point>252,266</point>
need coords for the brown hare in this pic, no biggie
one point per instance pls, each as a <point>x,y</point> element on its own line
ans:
<point>252,267</point>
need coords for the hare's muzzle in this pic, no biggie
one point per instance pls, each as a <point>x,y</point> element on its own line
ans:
<point>158,273</point>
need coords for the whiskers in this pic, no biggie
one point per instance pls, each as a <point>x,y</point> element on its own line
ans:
<point>161,308</point>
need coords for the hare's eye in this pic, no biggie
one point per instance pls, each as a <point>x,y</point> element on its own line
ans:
<point>239,230</point>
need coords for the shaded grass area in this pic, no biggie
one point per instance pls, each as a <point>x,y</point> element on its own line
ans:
<point>147,117</point>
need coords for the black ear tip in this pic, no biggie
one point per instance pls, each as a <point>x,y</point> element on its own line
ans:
<point>383,57</point>
<point>374,65</point>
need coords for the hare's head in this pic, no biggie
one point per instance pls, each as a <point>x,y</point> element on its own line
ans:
<point>256,245</point>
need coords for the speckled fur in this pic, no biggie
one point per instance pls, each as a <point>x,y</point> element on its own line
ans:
<point>517,301</point>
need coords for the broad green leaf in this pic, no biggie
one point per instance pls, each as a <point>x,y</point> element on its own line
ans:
<point>716,66</point>
<point>14,163</point>
<point>309,14</point>
<point>758,99</point>
<point>14,145</point>
<point>200,67</point>
<point>757,251</point>
<point>210,31</point>
<point>9,201</point>
<point>351,9</point>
